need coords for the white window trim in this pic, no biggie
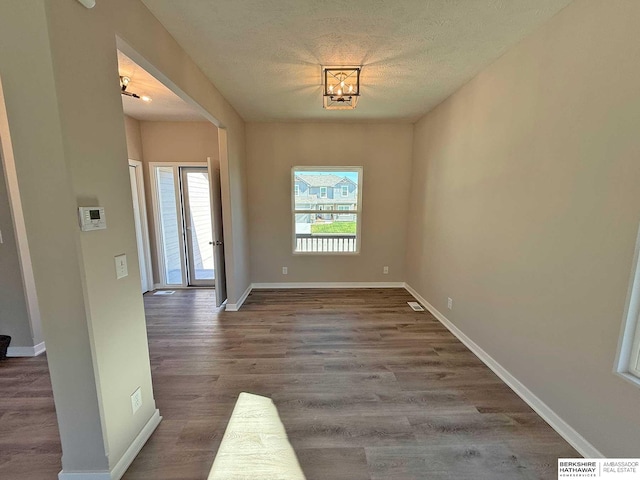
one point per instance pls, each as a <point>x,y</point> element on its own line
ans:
<point>326,192</point>
<point>345,193</point>
<point>627,363</point>
<point>357,212</point>
<point>296,189</point>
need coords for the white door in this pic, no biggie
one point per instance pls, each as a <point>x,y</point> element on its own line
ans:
<point>218,240</point>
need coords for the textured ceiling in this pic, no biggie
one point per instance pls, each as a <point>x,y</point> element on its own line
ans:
<point>265,55</point>
<point>164,106</point>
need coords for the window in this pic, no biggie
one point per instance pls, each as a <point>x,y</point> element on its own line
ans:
<point>345,190</point>
<point>634,361</point>
<point>628,361</point>
<point>297,190</point>
<point>327,227</point>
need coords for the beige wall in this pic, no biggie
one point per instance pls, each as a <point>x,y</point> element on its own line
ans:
<point>14,315</point>
<point>134,138</point>
<point>525,211</point>
<point>173,142</point>
<point>384,151</point>
<point>179,141</point>
<point>51,225</point>
<point>96,158</point>
<point>94,324</point>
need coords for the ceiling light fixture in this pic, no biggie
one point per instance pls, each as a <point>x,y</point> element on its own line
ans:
<point>124,83</point>
<point>341,87</point>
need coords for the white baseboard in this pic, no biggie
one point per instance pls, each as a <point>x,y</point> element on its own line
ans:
<point>234,307</point>
<point>39,349</point>
<point>26,351</point>
<point>104,475</point>
<point>180,287</point>
<point>129,456</point>
<point>565,430</point>
<point>330,285</point>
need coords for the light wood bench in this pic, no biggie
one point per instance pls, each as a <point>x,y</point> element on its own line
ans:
<point>255,444</point>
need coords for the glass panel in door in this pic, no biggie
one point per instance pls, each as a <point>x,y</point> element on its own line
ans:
<point>169,225</point>
<point>197,205</point>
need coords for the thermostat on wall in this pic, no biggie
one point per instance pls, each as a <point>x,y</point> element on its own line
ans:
<point>92,218</point>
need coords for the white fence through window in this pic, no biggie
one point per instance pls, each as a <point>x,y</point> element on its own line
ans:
<point>325,243</point>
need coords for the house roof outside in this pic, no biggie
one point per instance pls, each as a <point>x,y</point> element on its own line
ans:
<point>328,180</point>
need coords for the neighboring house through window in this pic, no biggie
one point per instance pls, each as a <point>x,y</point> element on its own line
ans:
<point>326,222</point>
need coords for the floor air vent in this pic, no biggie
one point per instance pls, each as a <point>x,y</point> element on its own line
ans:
<point>165,292</point>
<point>416,306</point>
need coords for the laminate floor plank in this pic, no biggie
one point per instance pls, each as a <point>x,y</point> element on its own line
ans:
<point>366,388</point>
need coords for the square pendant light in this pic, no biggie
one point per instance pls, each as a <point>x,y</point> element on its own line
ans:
<point>340,87</point>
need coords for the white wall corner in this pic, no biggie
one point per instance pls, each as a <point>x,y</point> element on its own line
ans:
<point>565,430</point>
<point>129,456</point>
<point>234,307</point>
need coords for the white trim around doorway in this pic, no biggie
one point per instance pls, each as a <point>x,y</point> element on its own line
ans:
<point>146,242</point>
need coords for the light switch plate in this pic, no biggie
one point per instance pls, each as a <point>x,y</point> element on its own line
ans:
<point>121,266</point>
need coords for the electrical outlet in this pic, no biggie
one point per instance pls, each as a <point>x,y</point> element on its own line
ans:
<point>121,266</point>
<point>285,271</point>
<point>449,303</point>
<point>385,270</point>
<point>136,400</point>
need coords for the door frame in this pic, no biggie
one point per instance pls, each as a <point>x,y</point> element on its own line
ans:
<point>144,221</point>
<point>162,273</point>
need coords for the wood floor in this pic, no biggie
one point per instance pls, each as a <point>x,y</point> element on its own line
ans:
<point>366,389</point>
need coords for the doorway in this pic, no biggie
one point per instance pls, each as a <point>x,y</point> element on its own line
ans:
<point>177,136</point>
<point>183,198</point>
